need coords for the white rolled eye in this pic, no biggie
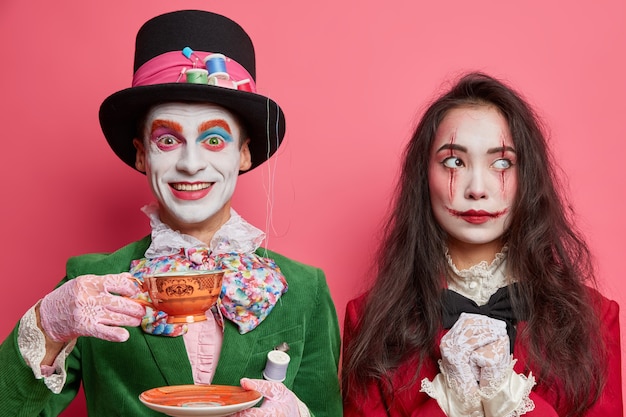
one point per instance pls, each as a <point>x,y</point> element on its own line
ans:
<point>452,162</point>
<point>502,164</point>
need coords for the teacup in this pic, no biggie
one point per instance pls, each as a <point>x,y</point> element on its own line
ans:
<point>185,296</point>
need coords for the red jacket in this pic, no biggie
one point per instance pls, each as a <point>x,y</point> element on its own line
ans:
<point>411,402</point>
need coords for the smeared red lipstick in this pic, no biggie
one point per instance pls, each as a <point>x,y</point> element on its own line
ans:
<point>476,216</point>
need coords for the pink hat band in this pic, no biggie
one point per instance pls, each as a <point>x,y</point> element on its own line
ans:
<point>194,67</point>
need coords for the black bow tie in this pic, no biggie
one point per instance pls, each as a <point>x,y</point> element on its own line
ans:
<point>498,307</point>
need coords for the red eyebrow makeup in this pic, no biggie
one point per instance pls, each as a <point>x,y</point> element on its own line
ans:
<point>214,123</point>
<point>166,124</point>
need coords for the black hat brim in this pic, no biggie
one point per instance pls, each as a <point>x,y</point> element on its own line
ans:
<point>263,119</point>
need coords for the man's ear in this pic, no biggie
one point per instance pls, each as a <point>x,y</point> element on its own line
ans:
<point>245,161</point>
<point>140,157</point>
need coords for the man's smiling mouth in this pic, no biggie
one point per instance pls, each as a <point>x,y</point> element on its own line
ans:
<point>180,186</point>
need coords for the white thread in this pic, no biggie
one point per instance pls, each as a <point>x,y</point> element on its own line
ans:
<point>268,185</point>
<point>271,166</point>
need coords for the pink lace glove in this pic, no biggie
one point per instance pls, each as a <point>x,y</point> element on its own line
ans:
<point>278,400</point>
<point>469,334</point>
<point>85,306</point>
<point>494,362</point>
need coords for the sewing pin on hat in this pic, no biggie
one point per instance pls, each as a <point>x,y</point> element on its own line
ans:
<point>277,363</point>
<point>189,53</point>
<point>182,73</point>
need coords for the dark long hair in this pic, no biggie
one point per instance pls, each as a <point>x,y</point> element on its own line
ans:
<point>546,255</point>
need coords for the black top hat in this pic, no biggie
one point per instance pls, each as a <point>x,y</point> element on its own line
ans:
<point>167,48</point>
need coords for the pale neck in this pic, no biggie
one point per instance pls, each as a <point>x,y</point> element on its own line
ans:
<point>465,255</point>
<point>203,231</point>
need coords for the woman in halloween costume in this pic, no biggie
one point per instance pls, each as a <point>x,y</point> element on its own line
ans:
<point>484,301</point>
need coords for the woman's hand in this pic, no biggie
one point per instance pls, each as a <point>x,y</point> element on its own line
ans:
<point>85,306</point>
<point>470,334</point>
<point>278,400</point>
<point>493,361</point>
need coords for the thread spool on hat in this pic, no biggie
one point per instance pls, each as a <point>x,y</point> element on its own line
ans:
<point>216,65</point>
<point>221,82</point>
<point>197,76</point>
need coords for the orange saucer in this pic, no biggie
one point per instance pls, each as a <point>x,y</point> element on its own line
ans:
<point>199,400</point>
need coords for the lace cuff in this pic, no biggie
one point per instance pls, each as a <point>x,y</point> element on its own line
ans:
<point>303,409</point>
<point>451,405</point>
<point>511,398</point>
<point>507,397</point>
<point>32,345</point>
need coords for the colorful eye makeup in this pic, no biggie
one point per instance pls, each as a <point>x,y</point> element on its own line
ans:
<point>213,134</point>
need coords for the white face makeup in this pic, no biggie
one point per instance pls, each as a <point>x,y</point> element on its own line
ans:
<point>192,158</point>
<point>473,175</point>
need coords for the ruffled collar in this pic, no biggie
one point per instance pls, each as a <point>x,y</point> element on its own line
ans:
<point>235,236</point>
<point>479,282</point>
<point>482,269</point>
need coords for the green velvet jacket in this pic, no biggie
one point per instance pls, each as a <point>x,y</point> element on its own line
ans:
<point>114,374</point>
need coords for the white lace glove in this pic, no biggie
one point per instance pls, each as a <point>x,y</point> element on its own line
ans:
<point>494,363</point>
<point>278,400</point>
<point>85,306</point>
<point>471,333</point>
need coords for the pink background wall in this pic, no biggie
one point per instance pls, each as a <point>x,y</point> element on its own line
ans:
<point>351,77</point>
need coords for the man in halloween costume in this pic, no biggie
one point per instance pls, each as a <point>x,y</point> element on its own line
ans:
<point>191,122</point>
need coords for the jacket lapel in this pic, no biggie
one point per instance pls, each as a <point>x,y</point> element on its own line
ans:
<point>171,358</point>
<point>235,355</point>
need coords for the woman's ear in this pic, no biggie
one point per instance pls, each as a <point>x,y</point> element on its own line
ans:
<point>140,157</point>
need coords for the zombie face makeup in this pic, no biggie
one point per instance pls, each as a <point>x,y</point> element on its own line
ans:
<point>473,175</point>
<point>191,155</point>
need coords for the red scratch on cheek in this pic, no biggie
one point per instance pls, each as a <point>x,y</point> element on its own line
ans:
<point>452,172</point>
<point>451,186</point>
<point>502,178</point>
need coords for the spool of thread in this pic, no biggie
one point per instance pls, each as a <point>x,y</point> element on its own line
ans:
<point>244,85</point>
<point>220,82</point>
<point>276,366</point>
<point>216,65</point>
<point>197,76</point>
